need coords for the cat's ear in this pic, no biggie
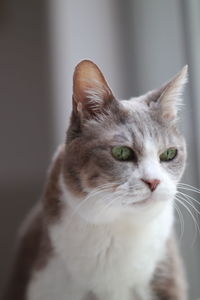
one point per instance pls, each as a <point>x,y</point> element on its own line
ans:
<point>167,99</point>
<point>91,93</point>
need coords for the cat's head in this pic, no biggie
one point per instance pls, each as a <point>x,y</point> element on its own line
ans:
<point>122,157</point>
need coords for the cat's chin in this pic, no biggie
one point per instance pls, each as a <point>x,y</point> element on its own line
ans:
<point>155,198</point>
<point>149,207</point>
<point>147,210</point>
<point>146,201</point>
<point>151,202</point>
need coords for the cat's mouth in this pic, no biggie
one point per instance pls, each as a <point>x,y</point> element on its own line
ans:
<point>143,202</point>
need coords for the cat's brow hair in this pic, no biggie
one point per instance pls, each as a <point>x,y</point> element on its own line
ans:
<point>121,138</point>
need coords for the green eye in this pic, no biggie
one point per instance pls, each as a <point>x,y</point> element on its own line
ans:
<point>122,153</point>
<point>169,154</point>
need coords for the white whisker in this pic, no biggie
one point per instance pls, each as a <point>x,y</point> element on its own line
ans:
<point>188,187</point>
<point>193,218</point>
<point>188,197</point>
<point>95,192</point>
<point>181,219</point>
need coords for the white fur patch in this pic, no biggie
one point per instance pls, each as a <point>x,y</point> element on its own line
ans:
<point>112,260</point>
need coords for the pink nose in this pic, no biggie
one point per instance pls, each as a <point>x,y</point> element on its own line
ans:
<point>152,183</point>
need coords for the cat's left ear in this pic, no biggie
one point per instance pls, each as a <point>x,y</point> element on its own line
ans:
<point>91,93</point>
<point>167,99</point>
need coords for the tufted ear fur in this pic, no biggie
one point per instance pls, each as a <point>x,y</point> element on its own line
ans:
<point>91,93</point>
<point>167,99</point>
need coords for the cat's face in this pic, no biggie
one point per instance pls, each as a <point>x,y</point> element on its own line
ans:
<point>122,157</point>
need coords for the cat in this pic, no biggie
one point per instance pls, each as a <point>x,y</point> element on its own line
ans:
<point>104,228</point>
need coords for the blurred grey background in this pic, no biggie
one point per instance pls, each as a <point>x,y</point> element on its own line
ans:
<point>138,44</point>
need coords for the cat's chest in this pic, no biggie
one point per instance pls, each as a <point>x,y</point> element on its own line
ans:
<point>105,256</point>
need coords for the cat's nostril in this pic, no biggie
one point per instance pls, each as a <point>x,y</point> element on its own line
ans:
<point>152,183</point>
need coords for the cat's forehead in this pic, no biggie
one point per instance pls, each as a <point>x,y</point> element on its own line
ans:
<point>135,104</point>
<point>140,120</point>
<point>133,124</point>
<point>140,126</point>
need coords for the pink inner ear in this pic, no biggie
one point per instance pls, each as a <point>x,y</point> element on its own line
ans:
<point>89,87</point>
<point>169,115</point>
<point>168,97</point>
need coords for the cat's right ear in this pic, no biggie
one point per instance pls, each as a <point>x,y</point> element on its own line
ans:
<point>91,93</point>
